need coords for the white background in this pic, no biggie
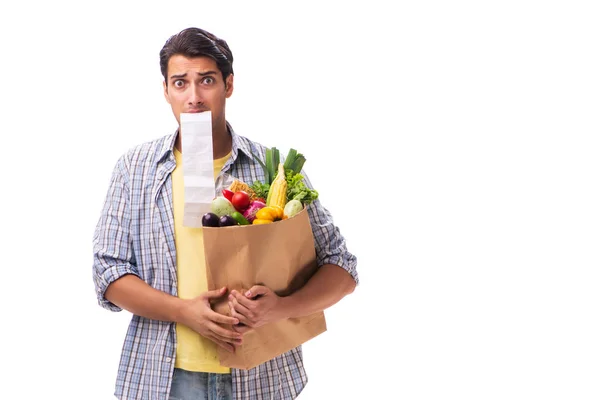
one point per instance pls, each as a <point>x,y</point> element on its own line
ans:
<point>455,143</point>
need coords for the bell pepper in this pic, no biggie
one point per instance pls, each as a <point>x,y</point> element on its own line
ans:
<point>261,221</point>
<point>268,214</point>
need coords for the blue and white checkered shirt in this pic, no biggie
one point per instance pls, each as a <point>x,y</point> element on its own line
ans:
<point>135,235</point>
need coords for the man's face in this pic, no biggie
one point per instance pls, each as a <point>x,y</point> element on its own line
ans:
<point>196,85</point>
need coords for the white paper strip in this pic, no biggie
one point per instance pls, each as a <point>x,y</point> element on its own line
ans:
<point>198,171</point>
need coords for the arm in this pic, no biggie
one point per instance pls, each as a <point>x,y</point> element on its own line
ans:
<point>260,305</point>
<point>318,293</point>
<point>133,294</point>
<point>113,252</point>
<point>336,278</point>
<point>120,286</point>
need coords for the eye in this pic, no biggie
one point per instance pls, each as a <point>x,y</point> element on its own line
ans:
<point>178,83</point>
<point>208,80</point>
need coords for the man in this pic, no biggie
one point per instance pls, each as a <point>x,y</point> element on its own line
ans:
<point>147,262</point>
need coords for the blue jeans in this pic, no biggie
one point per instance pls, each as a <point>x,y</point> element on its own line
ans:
<point>188,385</point>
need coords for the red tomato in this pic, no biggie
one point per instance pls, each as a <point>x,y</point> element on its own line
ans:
<point>228,194</point>
<point>240,200</point>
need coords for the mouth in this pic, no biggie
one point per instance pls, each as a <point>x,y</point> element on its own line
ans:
<point>196,111</point>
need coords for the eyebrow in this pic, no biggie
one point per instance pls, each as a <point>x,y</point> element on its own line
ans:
<point>199,73</point>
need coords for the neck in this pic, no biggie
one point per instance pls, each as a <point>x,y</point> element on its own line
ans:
<point>221,142</point>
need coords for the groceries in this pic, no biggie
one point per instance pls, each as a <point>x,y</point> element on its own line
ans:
<point>284,189</point>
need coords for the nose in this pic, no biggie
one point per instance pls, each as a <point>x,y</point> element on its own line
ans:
<point>195,96</point>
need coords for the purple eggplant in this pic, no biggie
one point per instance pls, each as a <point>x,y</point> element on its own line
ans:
<point>227,220</point>
<point>210,219</point>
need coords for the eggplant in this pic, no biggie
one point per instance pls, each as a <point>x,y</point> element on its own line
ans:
<point>227,220</point>
<point>210,219</point>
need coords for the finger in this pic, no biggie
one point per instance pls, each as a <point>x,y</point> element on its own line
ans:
<point>224,334</point>
<point>235,342</point>
<point>244,319</point>
<point>256,290</point>
<point>242,313</point>
<point>242,328</point>
<point>223,319</point>
<point>214,294</point>
<point>224,345</point>
<point>235,305</point>
<point>241,299</point>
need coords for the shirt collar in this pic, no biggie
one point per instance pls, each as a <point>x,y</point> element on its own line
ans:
<point>167,146</point>
<point>237,143</point>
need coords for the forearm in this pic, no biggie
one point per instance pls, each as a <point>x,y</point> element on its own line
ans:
<point>327,286</point>
<point>136,296</point>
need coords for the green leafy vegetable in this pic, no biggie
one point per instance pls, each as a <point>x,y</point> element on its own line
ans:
<point>297,189</point>
<point>261,189</point>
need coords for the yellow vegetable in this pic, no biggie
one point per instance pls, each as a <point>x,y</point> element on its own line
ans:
<point>278,191</point>
<point>261,221</point>
<point>268,214</point>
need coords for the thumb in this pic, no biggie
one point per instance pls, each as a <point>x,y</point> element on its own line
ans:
<point>256,290</point>
<point>213,294</point>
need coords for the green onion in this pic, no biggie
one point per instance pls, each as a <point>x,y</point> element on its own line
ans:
<point>294,161</point>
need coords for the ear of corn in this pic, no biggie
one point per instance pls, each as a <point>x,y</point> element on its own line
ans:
<point>278,190</point>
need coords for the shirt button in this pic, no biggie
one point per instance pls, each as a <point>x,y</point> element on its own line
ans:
<point>168,359</point>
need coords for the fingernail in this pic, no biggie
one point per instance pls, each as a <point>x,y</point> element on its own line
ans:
<point>248,293</point>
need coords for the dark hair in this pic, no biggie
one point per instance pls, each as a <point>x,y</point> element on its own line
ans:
<point>196,42</point>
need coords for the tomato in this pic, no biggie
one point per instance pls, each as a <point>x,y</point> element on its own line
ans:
<point>228,194</point>
<point>240,200</point>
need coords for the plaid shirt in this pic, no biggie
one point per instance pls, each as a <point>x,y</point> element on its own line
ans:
<point>135,236</point>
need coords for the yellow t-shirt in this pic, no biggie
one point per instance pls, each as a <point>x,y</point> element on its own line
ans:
<point>194,352</point>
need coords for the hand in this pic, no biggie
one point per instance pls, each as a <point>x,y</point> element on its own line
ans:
<point>199,316</point>
<point>257,307</point>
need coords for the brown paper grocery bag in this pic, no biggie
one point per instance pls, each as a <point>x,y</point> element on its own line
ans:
<point>280,256</point>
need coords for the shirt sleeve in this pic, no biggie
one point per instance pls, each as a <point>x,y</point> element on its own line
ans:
<point>330,244</point>
<point>112,245</point>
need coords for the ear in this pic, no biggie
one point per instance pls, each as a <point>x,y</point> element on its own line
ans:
<point>166,92</point>
<point>229,86</point>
